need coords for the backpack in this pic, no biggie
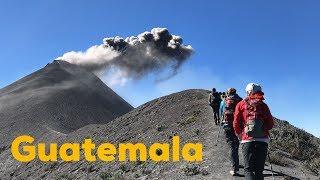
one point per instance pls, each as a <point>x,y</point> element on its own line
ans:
<point>254,116</point>
<point>215,100</point>
<point>229,109</point>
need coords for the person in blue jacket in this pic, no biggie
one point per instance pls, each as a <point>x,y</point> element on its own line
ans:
<point>222,106</point>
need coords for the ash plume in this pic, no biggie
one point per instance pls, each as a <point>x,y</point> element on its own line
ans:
<point>133,57</point>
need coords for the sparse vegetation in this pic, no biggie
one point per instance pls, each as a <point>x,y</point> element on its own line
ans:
<point>138,163</point>
<point>118,175</point>
<point>105,175</point>
<point>65,177</point>
<point>51,166</point>
<point>278,159</point>
<point>125,168</point>
<point>3,148</point>
<point>314,166</point>
<point>204,172</point>
<point>298,143</point>
<point>147,170</point>
<point>137,175</point>
<point>92,168</point>
<point>190,119</point>
<point>191,169</point>
<point>197,132</point>
<point>160,128</point>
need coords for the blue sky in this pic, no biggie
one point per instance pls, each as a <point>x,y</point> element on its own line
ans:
<point>275,43</point>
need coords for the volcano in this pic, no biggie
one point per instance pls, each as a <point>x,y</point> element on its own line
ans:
<point>55,100</point>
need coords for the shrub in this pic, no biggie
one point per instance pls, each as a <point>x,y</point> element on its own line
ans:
<point>105,175</point>
<point>160,128</point>
<point>64,177</point>
<point>124,167</point>
<point>191,170</point>
<point>314,166</point>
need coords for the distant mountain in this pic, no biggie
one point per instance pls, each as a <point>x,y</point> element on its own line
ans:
<point>187,115</point>
<point>55,100</point>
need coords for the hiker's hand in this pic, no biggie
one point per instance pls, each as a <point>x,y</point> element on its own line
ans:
<point>239,137</point>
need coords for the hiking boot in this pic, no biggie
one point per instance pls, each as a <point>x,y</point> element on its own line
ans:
<point>234,173</point>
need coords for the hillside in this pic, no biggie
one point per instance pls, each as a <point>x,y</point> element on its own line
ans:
<point>185,114</point>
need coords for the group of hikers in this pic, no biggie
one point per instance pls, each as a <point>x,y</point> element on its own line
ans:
<point>246,121</point>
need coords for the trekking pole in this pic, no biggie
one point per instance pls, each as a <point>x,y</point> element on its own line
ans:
<point>270,166</point>
<point>219,129</point>
<point>270,160</point>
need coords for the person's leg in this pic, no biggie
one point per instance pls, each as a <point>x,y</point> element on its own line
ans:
<point>235,152</point>
<point>248,157</point>
<point>216,117</point>
<point>261,154</point>
<point>214,114</point>
<point>233,143</point>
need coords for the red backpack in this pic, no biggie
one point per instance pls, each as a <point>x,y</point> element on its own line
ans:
<point>254,118</point>
<point>230,106</point>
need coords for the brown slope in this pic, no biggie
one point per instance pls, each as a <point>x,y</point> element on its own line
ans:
<point>185,114</point>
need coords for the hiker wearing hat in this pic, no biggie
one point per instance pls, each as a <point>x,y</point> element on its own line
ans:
<point>227,109</point>
<point>214,102</point>
<point>252,122</point>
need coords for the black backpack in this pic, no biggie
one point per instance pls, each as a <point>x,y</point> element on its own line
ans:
<point>215,100</point>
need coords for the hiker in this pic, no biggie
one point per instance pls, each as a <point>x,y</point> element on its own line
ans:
<point>252,122</point>
<point>227,109</point>
<point>221,108</point>
<point>214,102</point>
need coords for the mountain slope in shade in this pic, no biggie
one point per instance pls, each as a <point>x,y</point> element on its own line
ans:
<point>185,114</point>
<point>55,100</point>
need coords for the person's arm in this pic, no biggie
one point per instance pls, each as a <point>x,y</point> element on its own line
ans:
<point>268,120</point>
<point>221,108</point>
<point>238,119</point>
<point>210,98</point>
<point>240,98</point>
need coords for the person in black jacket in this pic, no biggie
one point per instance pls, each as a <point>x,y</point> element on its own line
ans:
<point>214,102</point>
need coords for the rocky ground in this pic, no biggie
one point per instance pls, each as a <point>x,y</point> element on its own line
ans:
<point>185,114</point>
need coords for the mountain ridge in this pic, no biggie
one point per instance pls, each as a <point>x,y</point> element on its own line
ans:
<point>185,114</point>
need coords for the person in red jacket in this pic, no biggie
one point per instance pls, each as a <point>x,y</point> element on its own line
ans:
<point>252,122</point>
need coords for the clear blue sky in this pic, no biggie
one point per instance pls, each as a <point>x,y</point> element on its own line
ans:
<point>275,43</point>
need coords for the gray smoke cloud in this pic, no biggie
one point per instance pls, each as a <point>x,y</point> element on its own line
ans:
<point>133,57</point>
